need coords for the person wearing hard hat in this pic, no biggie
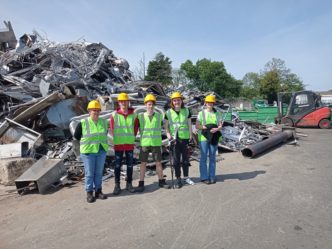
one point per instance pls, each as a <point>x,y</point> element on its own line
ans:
<point>209,122</point>
<point>150,124</point>
<point>123,128</point>
<point>178,127</point>
<point>92,134</point>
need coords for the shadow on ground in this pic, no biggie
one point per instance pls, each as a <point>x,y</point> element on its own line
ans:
<point>240,176</point>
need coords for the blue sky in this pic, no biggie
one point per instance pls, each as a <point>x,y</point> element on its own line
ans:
<point>245,35</point>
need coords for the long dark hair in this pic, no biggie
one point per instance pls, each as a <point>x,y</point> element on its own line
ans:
<point>172,106</point>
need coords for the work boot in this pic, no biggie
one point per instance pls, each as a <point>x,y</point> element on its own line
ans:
<point>100,195</point>
<point>179,183</point>
<point>163,184</point>
<point>89,197</point>
<point>117,189</point>
<point>129,187</point>
<point>140,187</point>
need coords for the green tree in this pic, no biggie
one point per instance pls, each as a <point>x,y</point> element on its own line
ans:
<point>191,73</point>
<point>251,85</point>
<point>160,69</point>
<point>270,85</point>
<point>209,75</point>
<point>277,77</point>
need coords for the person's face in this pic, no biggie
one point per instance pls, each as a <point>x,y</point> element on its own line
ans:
<point>124,104</point>
<point>149,106</point>
<point>177,102</point>
<point>94,113</point>
<point>209,105</point>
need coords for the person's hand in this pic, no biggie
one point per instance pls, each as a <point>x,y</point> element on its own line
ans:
<point>214,130</point>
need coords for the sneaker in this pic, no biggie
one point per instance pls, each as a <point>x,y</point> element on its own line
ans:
<point>189,181</point>
<point>212,181</point>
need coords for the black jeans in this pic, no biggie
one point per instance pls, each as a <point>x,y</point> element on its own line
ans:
<point>181,149</point>
<point>118,164</point>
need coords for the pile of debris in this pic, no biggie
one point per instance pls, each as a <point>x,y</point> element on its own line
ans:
<point>44,90</point>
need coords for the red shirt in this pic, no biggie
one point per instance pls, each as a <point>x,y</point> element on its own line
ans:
<point>124,147</point>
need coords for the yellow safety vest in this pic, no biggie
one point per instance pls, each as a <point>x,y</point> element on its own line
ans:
<point>179,122</point>
<point>93,136</point>
<point>150,130</point>
<point>123,132</point>
<point>205,118</point>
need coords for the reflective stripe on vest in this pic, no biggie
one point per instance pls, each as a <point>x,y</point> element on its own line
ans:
<point>179,122</point>
<point>150,130</point>
<point>207,118</point>
<point>123,132</point>
<point>93,136</point>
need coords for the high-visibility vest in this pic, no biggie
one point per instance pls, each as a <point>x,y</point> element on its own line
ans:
<point>205,118</point>
<point>123,130</point>
<point>93,136</point>
<point>179,122</point>
<point>150,130</point>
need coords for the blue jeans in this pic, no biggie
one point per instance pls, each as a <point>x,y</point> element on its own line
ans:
<point>94,167</point>
<point>118,163</point>
<point>206,148</point>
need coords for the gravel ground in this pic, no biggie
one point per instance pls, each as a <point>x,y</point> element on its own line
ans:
<point>281,199</point>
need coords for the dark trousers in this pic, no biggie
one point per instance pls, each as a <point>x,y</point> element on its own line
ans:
<point>118,163</point>
<point>181,150</point>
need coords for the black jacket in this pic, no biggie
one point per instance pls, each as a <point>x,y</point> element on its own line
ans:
<point>212,138</point>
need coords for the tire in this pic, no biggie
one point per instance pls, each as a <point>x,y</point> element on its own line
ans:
<point>287,121</point>
<point>324,123</point>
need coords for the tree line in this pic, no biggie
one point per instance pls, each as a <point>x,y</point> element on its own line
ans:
<point>207,75</point>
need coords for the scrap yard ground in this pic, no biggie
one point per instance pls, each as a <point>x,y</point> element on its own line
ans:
<point>281,199</point>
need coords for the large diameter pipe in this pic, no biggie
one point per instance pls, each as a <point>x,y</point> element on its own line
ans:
<point>275,139</point>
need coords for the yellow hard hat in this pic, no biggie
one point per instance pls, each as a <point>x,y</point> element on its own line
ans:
<point>150,97</point>
<point>94,104</point>
<point>123,97</point>
<point>176,95</point>
<point>210,99</point>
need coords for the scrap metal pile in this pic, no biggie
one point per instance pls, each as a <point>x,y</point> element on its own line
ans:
<point>44,90</point>
<point>238,135</point>
<point>45,87</point>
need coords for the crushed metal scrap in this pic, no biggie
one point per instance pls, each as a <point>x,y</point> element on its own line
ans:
<point>45,87</point>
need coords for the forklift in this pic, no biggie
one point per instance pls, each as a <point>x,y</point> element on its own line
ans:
<point>305,109</point>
